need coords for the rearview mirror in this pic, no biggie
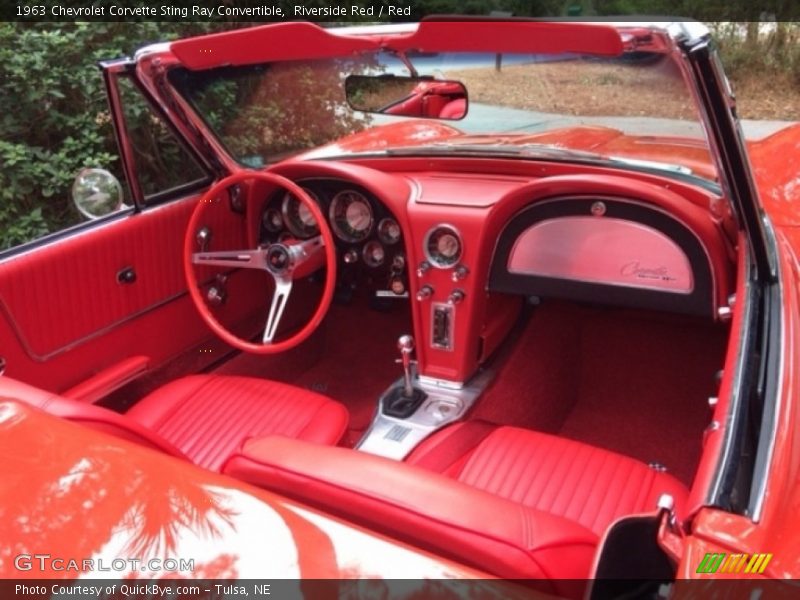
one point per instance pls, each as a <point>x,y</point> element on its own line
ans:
<point>96,193</point>
<point>421,97</point>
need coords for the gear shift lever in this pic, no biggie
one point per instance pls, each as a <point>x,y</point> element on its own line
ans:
<point>403,400</point>
<point>406,346</point>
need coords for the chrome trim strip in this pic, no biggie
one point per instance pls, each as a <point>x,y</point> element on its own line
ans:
<point>756,505</point>
<point>81,340</point>
<point>735,401</point>
<point>444,384</point>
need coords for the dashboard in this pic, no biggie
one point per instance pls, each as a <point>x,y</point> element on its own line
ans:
<point>467,241</point>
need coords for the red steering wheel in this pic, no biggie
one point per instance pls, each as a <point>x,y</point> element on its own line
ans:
<point>284,262</point>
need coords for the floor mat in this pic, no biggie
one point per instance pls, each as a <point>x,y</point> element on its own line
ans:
<point>630,381</point>
<point>350,359</point>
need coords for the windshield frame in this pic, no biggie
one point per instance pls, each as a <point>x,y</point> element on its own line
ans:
<point>664,36</point>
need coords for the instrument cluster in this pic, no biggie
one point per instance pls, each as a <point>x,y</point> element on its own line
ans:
<point>368,237</point>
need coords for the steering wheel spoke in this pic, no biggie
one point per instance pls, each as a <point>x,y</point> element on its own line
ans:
<point>308,256</point>
<point>283,287</point>
<point>234,259</point>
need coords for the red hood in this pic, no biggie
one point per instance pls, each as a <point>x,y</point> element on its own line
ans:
<point>686,152</point>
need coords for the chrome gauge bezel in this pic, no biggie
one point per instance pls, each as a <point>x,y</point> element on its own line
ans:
<point>434,260</point>
<point>266,221</point>
<point>386,222</point>
<point>358,236</point>
<point>366,256</point>
<point>303,232</point>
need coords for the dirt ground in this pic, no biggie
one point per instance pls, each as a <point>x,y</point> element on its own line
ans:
<point>766,97</point>
<point>604,89</point>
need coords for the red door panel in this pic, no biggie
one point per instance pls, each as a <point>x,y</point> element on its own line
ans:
<point>64,316</point>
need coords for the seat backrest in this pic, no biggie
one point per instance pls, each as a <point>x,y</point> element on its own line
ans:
<point>425,509</point>
<point>96,417</point>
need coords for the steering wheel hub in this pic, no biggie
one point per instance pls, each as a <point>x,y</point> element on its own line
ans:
<point>279,259</point>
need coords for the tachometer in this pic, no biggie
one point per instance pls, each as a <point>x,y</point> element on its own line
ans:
<point>297,216</point>
<point>443,246</point>
<point>351,216</point>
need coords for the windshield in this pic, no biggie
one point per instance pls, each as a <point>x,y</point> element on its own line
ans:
<point>635,107</point>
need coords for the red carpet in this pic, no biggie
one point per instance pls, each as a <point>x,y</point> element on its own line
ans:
<point>629,381</point>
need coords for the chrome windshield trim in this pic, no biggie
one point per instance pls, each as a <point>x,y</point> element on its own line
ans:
<point>764,456</point>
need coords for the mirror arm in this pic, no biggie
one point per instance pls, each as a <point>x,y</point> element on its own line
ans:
<point>404,59</point>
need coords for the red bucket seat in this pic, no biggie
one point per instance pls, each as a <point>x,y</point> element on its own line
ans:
<point>203,418</point>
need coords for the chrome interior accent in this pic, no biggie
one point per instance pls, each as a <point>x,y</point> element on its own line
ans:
<point>434,261</point>
<point>396,438</point>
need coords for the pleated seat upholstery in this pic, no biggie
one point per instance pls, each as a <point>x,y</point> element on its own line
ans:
<point>202,418</point>
<point>207,417</point>
<point>584,484</point>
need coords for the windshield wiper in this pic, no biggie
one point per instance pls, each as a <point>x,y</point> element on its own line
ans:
<point>651,164</point>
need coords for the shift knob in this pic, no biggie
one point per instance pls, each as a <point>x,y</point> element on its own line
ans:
<point>405,344</point>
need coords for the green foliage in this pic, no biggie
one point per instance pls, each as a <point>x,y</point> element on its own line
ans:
<point>54,117</point>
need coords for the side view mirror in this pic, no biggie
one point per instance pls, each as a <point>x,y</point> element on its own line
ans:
<point>421,97</point>
<point>96,193</point>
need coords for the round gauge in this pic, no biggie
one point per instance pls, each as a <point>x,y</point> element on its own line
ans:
<point>443,246</point>
<point>272,220</point>
<point>298,217</point>
<point>373,254</point>
<point>389,231</point>
<point>351,216</point>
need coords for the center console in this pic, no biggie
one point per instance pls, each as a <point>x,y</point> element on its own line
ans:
<point>414,407</point>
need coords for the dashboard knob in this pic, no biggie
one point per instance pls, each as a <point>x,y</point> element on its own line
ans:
<point>351,256</point>
<point>423,268</point>
<point>216,296</point>
<point>424,293</point>
<point>398,263</point>
<point>455,297</point>
<point>459,273</point>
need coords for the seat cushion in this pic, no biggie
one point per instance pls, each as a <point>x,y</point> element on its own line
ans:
<point>208,417</point>
<point>585,484</point>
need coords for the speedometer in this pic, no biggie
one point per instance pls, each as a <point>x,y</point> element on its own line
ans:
<point>351,216</point>
<point>298,217</point>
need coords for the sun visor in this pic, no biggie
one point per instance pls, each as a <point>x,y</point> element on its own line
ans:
<point>281,41</point>
<point>299,40</point>
<point>511,36</point>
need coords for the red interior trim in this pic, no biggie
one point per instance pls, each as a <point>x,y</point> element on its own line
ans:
<point>281,41</point>
<point>511,36</point>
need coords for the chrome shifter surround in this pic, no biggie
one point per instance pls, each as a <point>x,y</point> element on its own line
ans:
<point>396,438</point>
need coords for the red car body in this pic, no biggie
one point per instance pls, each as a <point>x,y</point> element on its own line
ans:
<point>70,328</point>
